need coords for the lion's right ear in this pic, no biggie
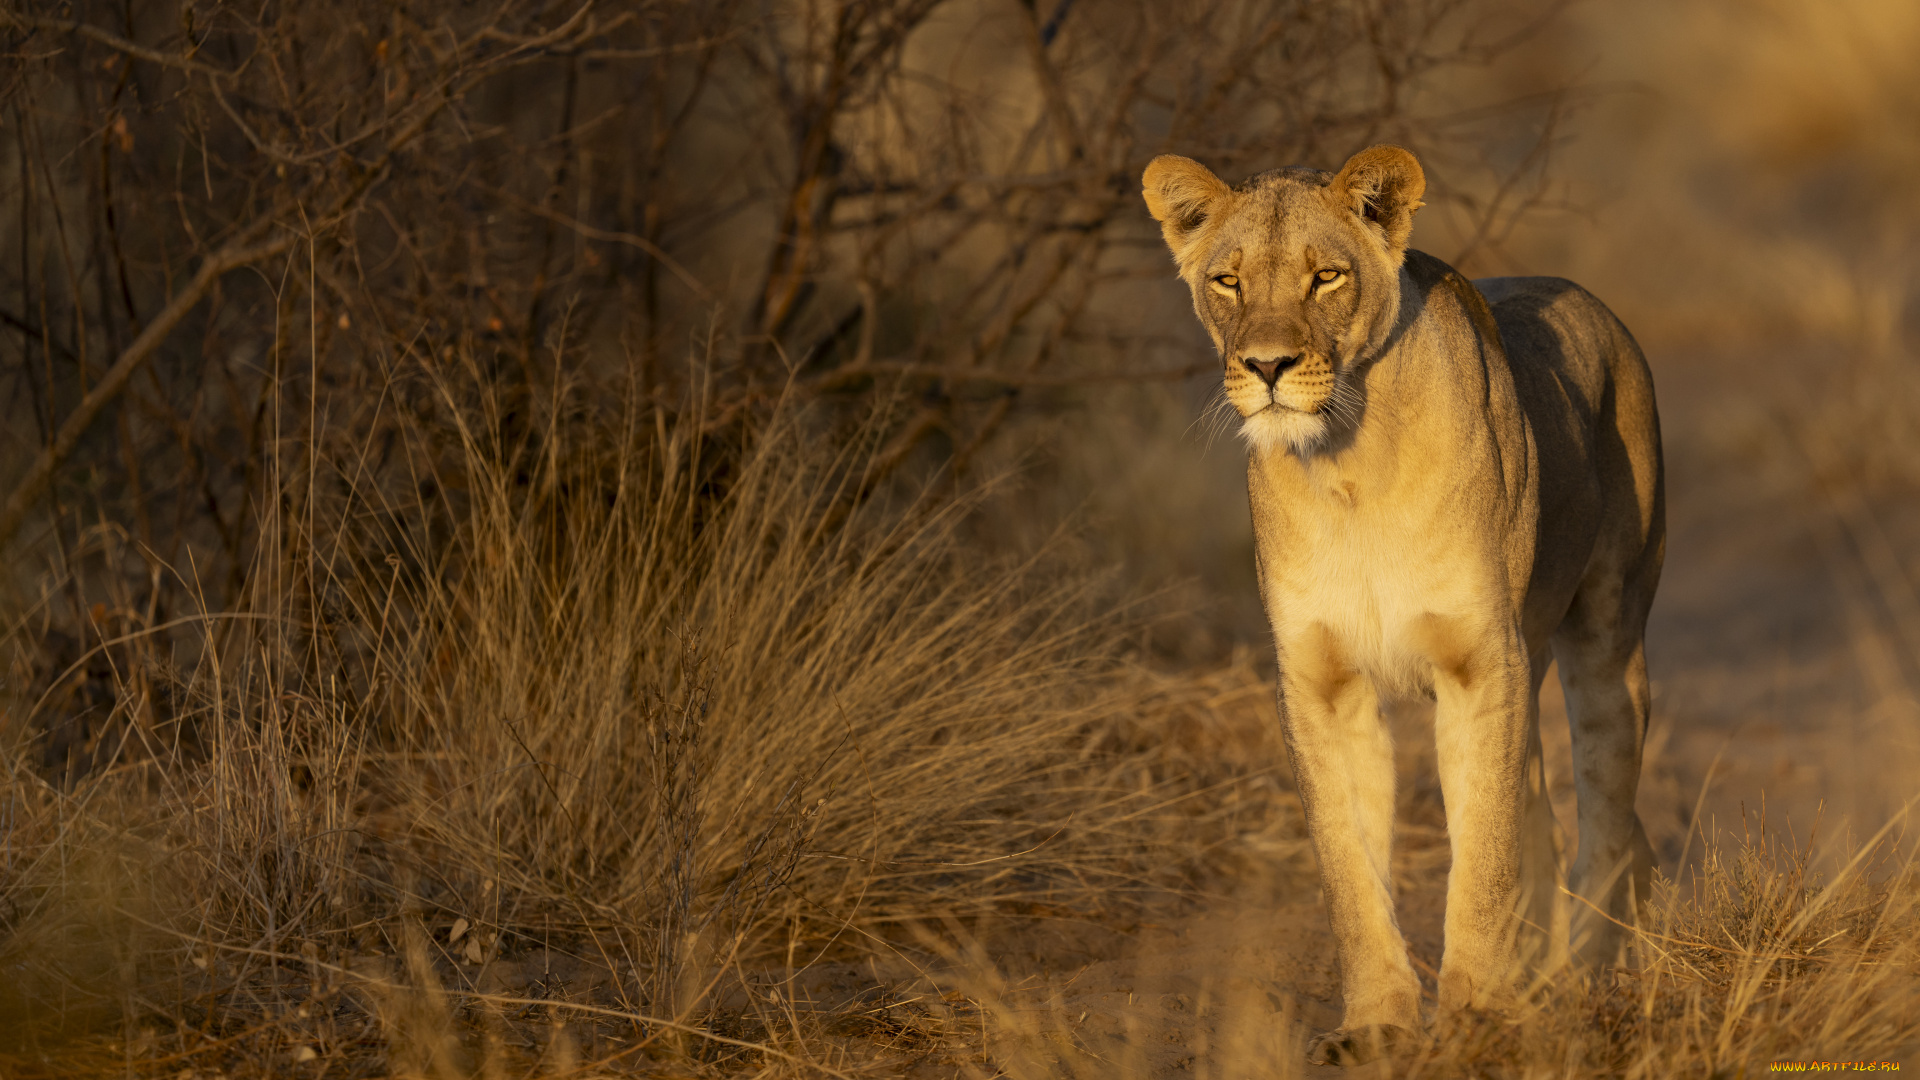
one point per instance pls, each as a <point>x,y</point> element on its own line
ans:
<point>1181,195</point>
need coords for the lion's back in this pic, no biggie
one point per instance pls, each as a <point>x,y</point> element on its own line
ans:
<point>1559,336</point>
<point>1588,394</point>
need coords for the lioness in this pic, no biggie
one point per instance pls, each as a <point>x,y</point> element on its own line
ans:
<point>1452,482</point>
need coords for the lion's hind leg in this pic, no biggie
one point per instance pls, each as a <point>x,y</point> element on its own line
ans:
<point>1603,670</point>
<point>1541,938</point>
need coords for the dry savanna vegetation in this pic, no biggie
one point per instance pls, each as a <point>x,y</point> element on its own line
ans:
<point>535,546</point>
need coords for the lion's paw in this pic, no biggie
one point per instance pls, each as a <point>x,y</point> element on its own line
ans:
<point>1357,1046</point>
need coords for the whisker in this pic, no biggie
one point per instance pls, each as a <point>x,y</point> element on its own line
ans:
<point>1344,404</point>
<point>1213,420</point>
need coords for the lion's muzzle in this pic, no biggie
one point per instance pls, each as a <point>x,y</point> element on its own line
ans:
<point>1269,370</point>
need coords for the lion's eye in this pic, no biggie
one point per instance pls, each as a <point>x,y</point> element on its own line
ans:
<point>1326,281</point>
<point>1227,281</point>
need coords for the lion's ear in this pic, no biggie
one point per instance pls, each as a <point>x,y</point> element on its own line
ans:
<point>1181,194</point>
<point>1383,184</point>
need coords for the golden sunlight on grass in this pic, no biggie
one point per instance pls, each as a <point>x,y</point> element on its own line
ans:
<point>563,740</point>
<point>924,818</point>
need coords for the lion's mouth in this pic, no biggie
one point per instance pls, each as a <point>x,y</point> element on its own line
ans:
<point>1275,403</point>
<point>1284,396</point>
<point>1276,407</point>
<point>1280,403</point>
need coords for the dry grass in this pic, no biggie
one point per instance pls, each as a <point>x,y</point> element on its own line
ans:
<point>527,715</point>
<point>604,744</point>
<point>1751,959</point>
<point>548,811</point>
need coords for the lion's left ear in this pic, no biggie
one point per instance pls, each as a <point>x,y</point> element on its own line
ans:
<point>1383,184</point>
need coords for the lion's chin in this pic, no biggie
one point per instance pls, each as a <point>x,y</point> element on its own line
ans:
<point>1277,428</point>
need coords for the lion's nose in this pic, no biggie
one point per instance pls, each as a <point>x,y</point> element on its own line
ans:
<point>1269,370</point>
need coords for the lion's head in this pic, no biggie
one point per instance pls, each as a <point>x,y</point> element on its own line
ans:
<point>1296,274</point>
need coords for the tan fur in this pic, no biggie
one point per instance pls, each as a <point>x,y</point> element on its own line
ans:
<point>1451,485</point>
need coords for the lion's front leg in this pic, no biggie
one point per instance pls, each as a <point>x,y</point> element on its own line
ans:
<point>1343,766</point>
<point>1482,735</point>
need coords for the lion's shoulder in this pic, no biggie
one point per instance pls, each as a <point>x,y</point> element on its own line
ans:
<point>1446,292</point>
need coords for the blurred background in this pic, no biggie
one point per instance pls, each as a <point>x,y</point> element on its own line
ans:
<point>1739,209</point>
<point>332,333</point>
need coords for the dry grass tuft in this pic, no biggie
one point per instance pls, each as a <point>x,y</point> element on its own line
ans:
<point>510,743</point>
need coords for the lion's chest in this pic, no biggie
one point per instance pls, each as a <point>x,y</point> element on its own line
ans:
<point>1374,576</point>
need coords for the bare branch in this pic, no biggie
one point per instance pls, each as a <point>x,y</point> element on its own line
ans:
<point>117,43</point>
<point>243,251</point>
